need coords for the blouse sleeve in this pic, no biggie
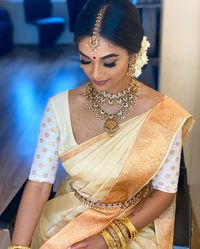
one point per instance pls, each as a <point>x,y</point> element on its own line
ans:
<point>167,178</point>
<point>45,162</point>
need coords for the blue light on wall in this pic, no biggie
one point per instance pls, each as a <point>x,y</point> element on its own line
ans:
<point>134,1</point>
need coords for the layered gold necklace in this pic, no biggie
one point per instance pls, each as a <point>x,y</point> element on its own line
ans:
<point>126,100</point>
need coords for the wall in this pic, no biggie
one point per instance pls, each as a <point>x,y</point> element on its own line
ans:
<point>28,34</point>
<point>180,76</point>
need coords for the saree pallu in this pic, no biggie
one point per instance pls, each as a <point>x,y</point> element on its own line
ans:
<point>112,170</point>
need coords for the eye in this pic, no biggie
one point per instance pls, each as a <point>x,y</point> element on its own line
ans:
<point>84,62</point>
<point>113,64</point>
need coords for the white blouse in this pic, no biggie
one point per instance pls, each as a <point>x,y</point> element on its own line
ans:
<point>46,159</point>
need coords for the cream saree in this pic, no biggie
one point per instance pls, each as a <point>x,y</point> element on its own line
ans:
<point>112,170</point>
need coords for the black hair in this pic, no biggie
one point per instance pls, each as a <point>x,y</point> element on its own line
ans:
<point>120,25</point>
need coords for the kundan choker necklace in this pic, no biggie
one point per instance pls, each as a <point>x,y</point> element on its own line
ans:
<point>125,99</point>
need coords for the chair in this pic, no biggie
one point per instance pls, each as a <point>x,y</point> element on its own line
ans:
<point>6,32</point>
<point>38,13</point>
<point>183,218</point>
<point>74,8</point>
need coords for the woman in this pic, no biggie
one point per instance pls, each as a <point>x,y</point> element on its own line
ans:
<point>118,140</point>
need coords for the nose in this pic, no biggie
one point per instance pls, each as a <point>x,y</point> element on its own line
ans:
<point>97,72</point>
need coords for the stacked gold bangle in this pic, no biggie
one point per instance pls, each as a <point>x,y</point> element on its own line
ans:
<point>132,230</point>
<point>110,242</point>
<point>119,233</point>
<point>19,247</point>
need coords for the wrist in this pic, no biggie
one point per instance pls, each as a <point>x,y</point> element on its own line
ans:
<point>119,233</point>
<point>102,242</point>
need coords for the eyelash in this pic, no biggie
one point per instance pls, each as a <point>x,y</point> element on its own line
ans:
<point>84,62</point>
<point>109,65</point>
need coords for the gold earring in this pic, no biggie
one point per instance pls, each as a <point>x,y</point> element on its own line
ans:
<point>131,69</point>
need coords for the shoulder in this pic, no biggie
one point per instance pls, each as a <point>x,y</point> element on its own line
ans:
<point>58,103</point>
<point>59,97</point>
<point>76,96</point>
<point>151,98</point>
<point>166,111</point>
<point>61,100</point>
<point>148,98</point>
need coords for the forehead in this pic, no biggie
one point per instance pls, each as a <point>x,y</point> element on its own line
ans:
<point>106,47</point>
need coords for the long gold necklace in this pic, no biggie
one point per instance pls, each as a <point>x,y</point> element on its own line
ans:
<point>126,100</point>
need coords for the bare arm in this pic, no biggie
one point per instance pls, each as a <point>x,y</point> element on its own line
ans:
<point>34,197</point>
<point>153,207</point>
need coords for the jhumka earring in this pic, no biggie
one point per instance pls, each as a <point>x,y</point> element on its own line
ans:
<point>131,68</point>
<point>94,42</point>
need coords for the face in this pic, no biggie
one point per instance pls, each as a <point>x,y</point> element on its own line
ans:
<point>107,67</point>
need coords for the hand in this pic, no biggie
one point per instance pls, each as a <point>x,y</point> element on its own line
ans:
<point>95,241</point>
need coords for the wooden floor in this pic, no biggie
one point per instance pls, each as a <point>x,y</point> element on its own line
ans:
<point>27,80</point>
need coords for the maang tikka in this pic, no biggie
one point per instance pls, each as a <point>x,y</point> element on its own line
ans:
<point>94,42</point>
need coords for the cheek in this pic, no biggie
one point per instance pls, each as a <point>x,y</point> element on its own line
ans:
<point>124,67</point>
<point>87,70</point>
<point>120,70</point>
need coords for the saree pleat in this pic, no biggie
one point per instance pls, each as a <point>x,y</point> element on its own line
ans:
<point>111,170</point>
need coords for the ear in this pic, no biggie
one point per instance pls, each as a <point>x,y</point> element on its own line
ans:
<point>132,57</point>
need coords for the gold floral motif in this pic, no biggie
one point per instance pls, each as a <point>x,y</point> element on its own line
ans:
<point>111,126</point>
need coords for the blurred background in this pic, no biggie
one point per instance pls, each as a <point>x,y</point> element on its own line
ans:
<point>38,60</point>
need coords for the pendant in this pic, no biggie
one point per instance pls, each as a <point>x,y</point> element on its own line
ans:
<point>111,126</point>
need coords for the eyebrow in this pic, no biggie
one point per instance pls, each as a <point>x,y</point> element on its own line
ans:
<point>104,57</point>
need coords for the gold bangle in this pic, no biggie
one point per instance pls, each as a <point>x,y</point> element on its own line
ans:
<point>108,239</point>
<point>120,235</point>
<point>133,231</point>
<point>19,247</point>
<point>123,229</point>
<point>115,236</point>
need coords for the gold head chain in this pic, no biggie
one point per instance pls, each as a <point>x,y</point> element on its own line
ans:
<point>94,42</point>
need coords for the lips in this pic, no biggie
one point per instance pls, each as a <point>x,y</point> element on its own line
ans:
<point>100,82</point>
